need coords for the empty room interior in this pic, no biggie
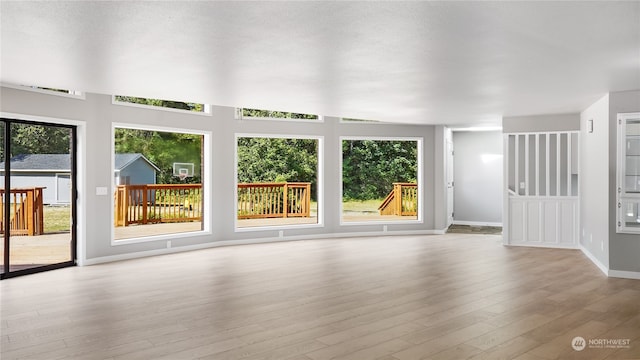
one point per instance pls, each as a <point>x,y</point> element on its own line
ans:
<point>320,180</point>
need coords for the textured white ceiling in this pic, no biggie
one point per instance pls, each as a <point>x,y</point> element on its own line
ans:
<point>456,63</point>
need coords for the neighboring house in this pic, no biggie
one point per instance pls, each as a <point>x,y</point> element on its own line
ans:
<point>134,169</point>
<point>52,171</point>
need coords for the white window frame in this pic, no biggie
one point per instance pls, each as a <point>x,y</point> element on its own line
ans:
<point>420,217</point>
<point>621,194</point>
<point>206,184</point>
<point>73,94</point>
<point>319,183</point>
<point>240,117</point>
<point>206,111</point>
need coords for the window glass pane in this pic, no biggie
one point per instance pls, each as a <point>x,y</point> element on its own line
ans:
<point>632,157</point>
<point>40,195</point>
<point>179,105</point>
<point>379,180</point>
<point>631,213</point>
<point>158,183</point>
<point>277,181</point>
<point>270,114</point>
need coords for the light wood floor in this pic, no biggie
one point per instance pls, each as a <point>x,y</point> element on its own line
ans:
<point>453,296</point>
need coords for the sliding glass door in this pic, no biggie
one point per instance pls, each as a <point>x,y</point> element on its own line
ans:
<point>38,196</point>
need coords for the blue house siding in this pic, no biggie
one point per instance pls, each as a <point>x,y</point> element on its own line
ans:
<point>137,172</point>
<point>54,192</point>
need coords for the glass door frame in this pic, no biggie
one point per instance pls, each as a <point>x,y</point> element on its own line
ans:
<point>7,206</point>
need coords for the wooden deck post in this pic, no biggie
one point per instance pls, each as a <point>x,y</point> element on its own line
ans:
<point>285,200</point>
<point>145,216</point>
<point>397,197</point>
<point>307,201</point>
<point>29,213</point>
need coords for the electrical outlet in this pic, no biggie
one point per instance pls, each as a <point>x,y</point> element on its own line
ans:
<point>602,245</point>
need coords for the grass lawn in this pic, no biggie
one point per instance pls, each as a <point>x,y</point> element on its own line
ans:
<point>57,219</point>
<point>364,206</point>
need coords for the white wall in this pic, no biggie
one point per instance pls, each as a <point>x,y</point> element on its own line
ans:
<point>96,113</point>
<point>539,123</point>
<point>478,177</point>
<point>594,182</point>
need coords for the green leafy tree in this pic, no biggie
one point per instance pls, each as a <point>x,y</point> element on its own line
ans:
<point>277,114</point>
<point>38,139</point>
<point>162,103</point>
<point>163,149</point>
<point>370,167</point>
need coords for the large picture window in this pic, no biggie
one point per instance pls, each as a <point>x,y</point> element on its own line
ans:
<point>277,181</point>
<point>380,179</point>
<point>159,180</point>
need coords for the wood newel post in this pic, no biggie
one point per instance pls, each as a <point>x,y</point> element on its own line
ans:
<point>40,210</point>
<point>307,201</point>
<point>29,213</point>
<point>397,197</point>
<point>144,204</point>
<point>286,200</point>
<point>125,205</point>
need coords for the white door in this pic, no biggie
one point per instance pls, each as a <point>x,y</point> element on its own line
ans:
<point>450,183</point>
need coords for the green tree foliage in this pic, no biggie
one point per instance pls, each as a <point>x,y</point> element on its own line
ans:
<point>163,149</point>
<point>277,114</point>
<point>370,167</point>
<point>38,139</point>
<point>162,103</point>
<point>278,160</point>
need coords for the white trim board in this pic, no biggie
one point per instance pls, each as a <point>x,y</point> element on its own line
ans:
<point>173,250</point>
<point>476,223</point>
<point>544,246</point>
<point>624,274</point>
<point>594,260</point>
<point>635,275</point>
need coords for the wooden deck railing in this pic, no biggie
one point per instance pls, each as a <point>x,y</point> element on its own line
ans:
<point>273,200</point>
<point>157,203</point>
<point>27,211</point>
<point>402,200</point>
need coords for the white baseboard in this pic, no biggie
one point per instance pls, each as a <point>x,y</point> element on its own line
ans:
<point>546,246</point>
<point>476,223</point>
<point>594,260</point>
<point>624,274</point>
<point>172,250</point>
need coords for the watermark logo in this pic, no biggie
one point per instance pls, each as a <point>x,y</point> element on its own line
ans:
<point>578,343</point>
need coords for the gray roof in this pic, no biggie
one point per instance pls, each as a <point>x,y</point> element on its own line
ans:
<point>60,162</point>
<point>123,160</point>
